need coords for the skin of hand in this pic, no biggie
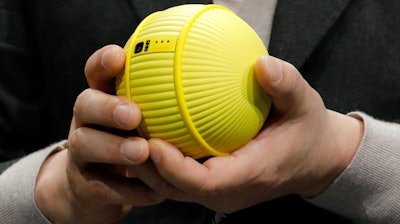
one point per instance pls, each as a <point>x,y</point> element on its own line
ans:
<point>301,150</point>
<point>89,182</point>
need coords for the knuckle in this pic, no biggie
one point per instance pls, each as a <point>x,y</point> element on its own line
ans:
<point>99,189</point>
<point>80,100</point>
<point>74,142</point>
<point>294,75</point>
<point>166,189</point>
<point>208,188</point>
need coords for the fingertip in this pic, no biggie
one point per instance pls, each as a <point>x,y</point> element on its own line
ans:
<point>158,149</point>
<point>155,146</point>
<point>135,150</point>
<point>103,66</point>
<point>268,71</point>
<point>113,58</point>
<point>277,77</point>
<point>181,171</point>
<point>283,82</point>
<point>126,115</point>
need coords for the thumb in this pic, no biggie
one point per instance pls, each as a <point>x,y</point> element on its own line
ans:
<point>282,81</point>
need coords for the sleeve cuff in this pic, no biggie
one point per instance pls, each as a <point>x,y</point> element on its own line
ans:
<point>368,190</point>
<point>17,184</point>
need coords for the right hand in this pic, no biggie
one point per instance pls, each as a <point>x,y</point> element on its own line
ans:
<point>89,182</point>
<point>301,150</point>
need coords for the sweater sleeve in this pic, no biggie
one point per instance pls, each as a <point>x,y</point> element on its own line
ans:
<point>368,191</point>
<point>17,184</point>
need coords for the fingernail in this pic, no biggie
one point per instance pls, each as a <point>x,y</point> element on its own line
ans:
<point>107,57</point>
<point>123,114</point>
<point>131,151</point>
<point>274,68</point>
<point>155,153</point>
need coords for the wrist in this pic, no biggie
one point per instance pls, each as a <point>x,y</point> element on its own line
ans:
<point>49,190</point>
<point>337,149</point>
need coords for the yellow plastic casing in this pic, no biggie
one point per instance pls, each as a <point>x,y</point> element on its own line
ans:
<point>190,70</point>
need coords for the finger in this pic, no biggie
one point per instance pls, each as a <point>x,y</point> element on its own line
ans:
<point>94,185</point>
<point>95,107</point>
<point>91,145</point>
<point>102,67</point>
<point>152,178</point>
<point>189,176</point>
<point>164,154</point>
<point>282,82</point>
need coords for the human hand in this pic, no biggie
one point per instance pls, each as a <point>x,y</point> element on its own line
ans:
<point>302,149</point>
<point>89,182</point>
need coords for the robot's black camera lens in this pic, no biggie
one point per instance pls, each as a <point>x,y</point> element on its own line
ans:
<point>139,47</point>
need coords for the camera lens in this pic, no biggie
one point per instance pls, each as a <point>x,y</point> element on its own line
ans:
<point>139,47</point>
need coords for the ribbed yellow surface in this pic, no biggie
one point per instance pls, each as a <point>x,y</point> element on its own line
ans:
<point>218,60</point>
<point>203,97</point>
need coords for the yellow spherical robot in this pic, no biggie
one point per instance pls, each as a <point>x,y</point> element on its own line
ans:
<point>190,70</point>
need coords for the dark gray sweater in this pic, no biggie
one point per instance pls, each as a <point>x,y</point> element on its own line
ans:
<point>348,50</point>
